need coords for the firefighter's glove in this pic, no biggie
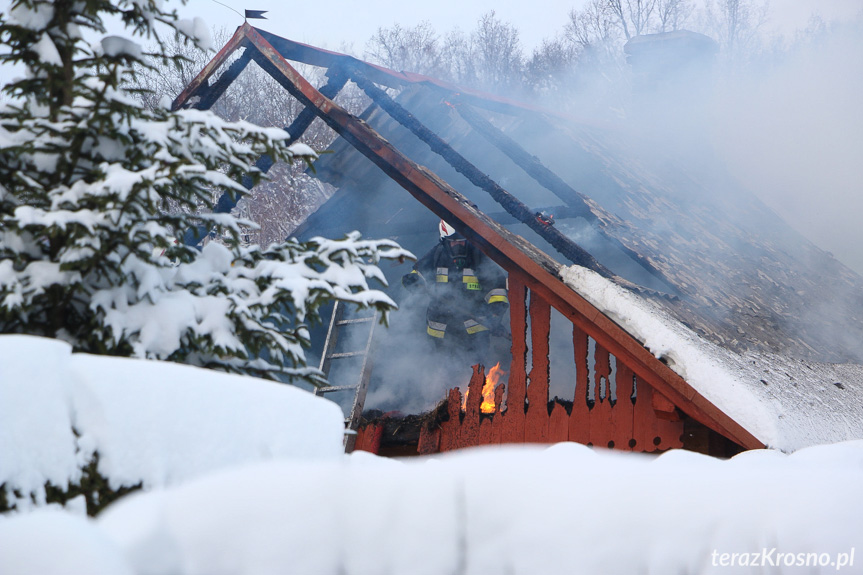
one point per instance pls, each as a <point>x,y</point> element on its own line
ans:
<point>499,330</point>
<point>412,281</point>
<point>497,309</point>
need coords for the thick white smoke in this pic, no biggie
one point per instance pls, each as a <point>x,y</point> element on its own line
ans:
<point>793,134</point>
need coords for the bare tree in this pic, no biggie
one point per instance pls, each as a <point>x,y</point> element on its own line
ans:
<point>414,49</point>
<point>673,14</point>
<point>495,57</point>
<point>633,16</point>
<point>736,24</point>
<point>592,26</point>
<point>551,66</point>
<point>456,57</point>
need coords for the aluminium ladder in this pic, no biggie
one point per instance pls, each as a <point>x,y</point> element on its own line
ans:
<point>338,322</point>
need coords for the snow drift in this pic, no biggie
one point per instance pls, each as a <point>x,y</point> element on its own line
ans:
<point>519,510</point>
<point>150,422</point>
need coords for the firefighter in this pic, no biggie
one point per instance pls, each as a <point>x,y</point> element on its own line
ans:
<point>467,294</point>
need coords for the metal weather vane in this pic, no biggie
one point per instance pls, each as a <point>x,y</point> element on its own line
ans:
<point>250,14</point>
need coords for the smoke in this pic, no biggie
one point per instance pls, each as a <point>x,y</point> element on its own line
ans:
<point>793,133</point>
<point>787,128</point>
<point>411,373</point>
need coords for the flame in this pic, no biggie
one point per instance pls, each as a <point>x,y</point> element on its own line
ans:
<point>491,380</point>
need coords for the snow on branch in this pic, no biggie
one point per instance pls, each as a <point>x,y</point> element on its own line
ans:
<point>96,188</point>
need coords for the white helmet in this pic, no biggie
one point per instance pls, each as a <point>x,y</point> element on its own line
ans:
<point>446,230</point>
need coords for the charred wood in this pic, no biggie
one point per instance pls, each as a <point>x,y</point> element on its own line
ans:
<point>210,94</point>
<point>569,249</point>
<point>579,204</point>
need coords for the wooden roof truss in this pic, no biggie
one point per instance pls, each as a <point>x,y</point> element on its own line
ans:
<point>535,282</point>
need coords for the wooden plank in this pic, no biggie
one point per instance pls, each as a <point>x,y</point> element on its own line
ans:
<point>581,205</point>
<point>669,425</point>
<point>644,422</point>
<point>226,79</point>
<point>663,408</point>
<point>449,429</point>
<point>670,434</point>
<point>645,366</point>
<point>497,421</point>
<point>579,419</point>
<point>429,441</point>
<point>199,82</point>
<point>512,430</point>
<point>485,431</point>
<point>369,437</point>
<point>469,432</point>
<point>558,424</point>
<point>601,430</point>
<point>513,206</point>
<point>621,414</point>
<point>536,419</point>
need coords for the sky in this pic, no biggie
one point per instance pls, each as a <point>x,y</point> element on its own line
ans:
<point>338,22</point>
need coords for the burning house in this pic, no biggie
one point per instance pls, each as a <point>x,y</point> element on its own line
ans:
<point>652,305</point>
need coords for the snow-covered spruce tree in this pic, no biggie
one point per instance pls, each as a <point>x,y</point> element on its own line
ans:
<point>86,237</point>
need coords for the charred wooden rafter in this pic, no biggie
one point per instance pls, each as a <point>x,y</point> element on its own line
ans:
<point>209,95</point>
<point>227,78</point>
<point>581,205</point>
<point>569,249</point>
<point>199,86</point>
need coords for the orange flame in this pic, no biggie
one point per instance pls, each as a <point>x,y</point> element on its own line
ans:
<point>491,380</point>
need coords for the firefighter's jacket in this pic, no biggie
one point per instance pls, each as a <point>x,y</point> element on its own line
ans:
<point>464,292</point>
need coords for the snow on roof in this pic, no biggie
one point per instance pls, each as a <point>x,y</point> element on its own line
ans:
<point>787,403</point>
<point>153,422</point>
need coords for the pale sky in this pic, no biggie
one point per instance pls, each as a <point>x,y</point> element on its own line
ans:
<point>336,22</point>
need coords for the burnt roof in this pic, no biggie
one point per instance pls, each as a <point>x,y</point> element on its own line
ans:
<point>683,235</point>
<point>728,266</point>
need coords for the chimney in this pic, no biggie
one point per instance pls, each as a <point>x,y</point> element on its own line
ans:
<point>670,60</point>
<point>672,79</point>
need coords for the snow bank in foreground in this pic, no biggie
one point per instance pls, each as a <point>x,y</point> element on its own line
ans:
<point>566,509</point>
<point>151,422</point>
<point>785,403</point>
<point>52,542</point>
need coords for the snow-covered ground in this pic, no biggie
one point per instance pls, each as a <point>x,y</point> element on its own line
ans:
<point>786,403</point>
<point>247,476</point>
<point>528,510</point>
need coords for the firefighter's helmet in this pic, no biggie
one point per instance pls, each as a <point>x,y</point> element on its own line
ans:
<point>446,230</point>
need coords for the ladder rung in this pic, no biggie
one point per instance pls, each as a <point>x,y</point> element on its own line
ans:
<point>345,354</point>
<point>335,388</point>
<point>355,320</point>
